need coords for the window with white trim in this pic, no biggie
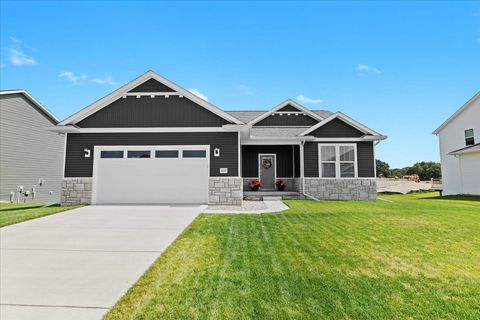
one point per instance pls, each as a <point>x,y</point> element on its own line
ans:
<point>469,139</point>
<point>337,160</point>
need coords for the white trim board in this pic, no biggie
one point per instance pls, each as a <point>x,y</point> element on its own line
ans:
<point>73,129</point>
<point>123,90</point>
<point>346,119</point>
<point>283,104</point>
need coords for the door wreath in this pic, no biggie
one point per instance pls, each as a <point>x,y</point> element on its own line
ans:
<point>267,163</point>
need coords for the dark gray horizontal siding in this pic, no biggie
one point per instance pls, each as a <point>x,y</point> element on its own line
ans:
<point>337,129</point>
<point>284,160</point>
<point>287,120</point>
<point>133,112</point>
<point>152,85</point>
<point>288,107</point>
<point>366,166</point>
<point>77,165</point>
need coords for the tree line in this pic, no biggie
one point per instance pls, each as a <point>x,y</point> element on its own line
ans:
<point>426,170</point>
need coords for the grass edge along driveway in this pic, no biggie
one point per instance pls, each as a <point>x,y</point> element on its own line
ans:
<point>413,257</point>
<point>11,213</point>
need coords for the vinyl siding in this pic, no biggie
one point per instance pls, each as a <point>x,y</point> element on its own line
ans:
<point>28,151</point>
<point>335,129</point>
<point>288,107</point>
<point>133,112</point>
<point>152,85</point>
<point>78,166</point>
<point>284,160</point>
<point>287,120</point>
<point>365,154</point>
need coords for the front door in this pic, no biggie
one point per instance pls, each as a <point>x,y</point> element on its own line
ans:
<point>267,167</point>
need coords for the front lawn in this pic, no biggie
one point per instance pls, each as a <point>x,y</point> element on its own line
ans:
<point>11,213</point>
<point>408,257</point>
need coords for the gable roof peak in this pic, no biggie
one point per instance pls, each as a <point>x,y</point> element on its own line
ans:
<point>150,74</point>
<point>284,104</point>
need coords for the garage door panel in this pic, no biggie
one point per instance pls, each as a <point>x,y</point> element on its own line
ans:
<point>151,180</point>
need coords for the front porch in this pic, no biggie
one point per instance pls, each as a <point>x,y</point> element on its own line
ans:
<point>270,164</point>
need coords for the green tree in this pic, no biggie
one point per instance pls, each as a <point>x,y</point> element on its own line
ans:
<point>383,169</point>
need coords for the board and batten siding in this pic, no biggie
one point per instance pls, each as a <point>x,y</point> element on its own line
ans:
<point>284,157</point>
<point>77,165</point>
<point>133,112</point>
<point>365,159</point>
<point>337,128</point>
<point>28,151</point>
<point>285,120</point>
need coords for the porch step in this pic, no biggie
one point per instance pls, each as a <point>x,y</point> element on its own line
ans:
<point>271,198</point>
<point>271,195</point>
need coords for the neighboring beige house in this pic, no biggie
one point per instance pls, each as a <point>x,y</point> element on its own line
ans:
<point>30,155</point>
<point>459,138</point>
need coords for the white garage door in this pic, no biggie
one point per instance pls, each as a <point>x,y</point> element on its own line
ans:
<point>150,175</point>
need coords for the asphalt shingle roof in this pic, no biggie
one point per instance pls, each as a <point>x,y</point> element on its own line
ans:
<point>247,116</point>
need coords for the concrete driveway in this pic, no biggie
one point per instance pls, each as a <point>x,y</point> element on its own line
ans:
<point>77,264</point>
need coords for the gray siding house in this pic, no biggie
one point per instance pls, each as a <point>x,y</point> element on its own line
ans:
<point>151,141</point>
<point>30,155</point>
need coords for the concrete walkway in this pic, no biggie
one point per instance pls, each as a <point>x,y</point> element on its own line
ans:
<point>270,206</point>
<point>77,264</point>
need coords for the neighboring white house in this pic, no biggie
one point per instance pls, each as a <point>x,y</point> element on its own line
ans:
<point>460,149</point>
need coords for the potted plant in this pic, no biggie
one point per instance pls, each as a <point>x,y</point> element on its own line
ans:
<point>255,184</point>
<point>281,185</point>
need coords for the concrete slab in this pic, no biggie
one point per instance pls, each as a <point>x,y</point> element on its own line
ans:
<point>270,206</point>
<point>77,264</point>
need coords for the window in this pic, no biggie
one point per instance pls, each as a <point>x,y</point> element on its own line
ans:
<point>337,161</point>
<point>166,154</point>
<point>469,139</point>
<point>194,154</point>
<point>111,154</point>
<point>138,154</point>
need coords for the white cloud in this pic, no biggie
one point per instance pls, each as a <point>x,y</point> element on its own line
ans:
<point>198,94</point>
<point>245,89</point>
<point>70,76</point>
<point>367,68</point>
<point>19,58</point>
<point>304,99</point>
<point>106,80</point>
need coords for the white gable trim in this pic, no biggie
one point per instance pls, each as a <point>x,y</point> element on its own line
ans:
<point>122,91</point>
<point>345,118</point>
<point>453,116</point>
<point>32,100</point>
<point>283,104</point>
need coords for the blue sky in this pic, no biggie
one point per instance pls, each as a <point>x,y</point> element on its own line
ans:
<point>399,67</point>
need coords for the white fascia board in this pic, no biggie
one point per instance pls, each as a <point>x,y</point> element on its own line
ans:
<point>365,138</point>
<point>34,101</point>
<point>283,104</point>
<point>346,119</point>
<point>72,129</point>
<point>270,142</point>
<point>99,104</point>
<point>453,116</point>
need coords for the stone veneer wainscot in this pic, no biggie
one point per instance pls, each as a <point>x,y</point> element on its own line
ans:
<point>76,191</point>
<point>364,189</point>
<point>225,191</point>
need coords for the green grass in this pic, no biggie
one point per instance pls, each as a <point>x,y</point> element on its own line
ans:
<point>11,213</point>
<point>416,257</point>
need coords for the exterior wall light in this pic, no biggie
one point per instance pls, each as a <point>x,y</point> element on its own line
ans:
<point>216,152</point>
<point>86,152</point>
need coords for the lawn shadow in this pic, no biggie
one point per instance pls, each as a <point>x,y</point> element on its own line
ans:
<point>22,208</point>
<point>457,197</point>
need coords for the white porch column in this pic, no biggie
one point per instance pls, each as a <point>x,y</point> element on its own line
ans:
<point>302,164</point>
